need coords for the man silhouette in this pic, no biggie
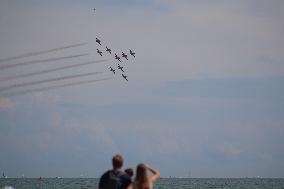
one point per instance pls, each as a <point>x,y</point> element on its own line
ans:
<point>115,178</point>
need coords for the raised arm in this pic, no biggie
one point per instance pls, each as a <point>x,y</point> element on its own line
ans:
<point>155,173</point>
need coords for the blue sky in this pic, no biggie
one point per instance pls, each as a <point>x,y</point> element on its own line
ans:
<point>205,91</point>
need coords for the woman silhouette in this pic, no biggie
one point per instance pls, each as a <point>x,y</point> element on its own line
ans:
<point>142,181</point>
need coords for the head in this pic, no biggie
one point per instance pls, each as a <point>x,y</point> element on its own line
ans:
<point>117,161</point>
<point>141,175</point>
<point>129,171</point>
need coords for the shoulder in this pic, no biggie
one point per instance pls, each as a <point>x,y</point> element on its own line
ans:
<point>123,174</point>
<point>104,178</point>
<point>106,174</point>
<point>125,178</point>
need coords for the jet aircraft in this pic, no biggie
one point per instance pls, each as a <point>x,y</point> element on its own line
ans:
<point>112,70</point>
<point>125,77</point>
<point>108,50</point>
<point>100,52</point>
<point>98,41</point>
<point>120,67</point>
<point>124,55</point>
<point>132,53</point>
<point>117,57</point>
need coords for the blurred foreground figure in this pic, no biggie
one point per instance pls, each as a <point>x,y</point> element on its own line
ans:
<point>115,178</point>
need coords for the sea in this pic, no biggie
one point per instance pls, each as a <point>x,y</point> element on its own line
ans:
<point>162,183</point>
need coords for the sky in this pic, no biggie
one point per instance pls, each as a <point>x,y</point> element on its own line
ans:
<point>205,95</point>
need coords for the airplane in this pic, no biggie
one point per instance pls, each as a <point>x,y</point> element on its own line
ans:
<point>125,77</point>
<point>98,41</point>
<point>132,53</point>
<point>124,55</point>
<point>100,52</point>
<point>117,57</point>
<point>108,50</point>
<point>112,70</point>
<point>120,67</point>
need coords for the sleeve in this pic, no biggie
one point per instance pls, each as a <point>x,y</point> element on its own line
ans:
<point>103,180</point>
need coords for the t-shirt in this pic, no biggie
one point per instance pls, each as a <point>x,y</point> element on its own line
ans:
<point>114,180</point>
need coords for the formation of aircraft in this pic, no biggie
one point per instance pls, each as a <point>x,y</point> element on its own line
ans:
<point>124,55</point>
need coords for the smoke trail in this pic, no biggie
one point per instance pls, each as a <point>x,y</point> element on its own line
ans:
<point>39,61</point>
<point>46,81</point>
<point>53,87</point>
<point>50,70</point>
<point>40,52</point>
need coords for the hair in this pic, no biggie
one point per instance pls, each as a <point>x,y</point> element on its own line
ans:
<point>129,171</point>
<point>117,161</point>
<point>141,178</point>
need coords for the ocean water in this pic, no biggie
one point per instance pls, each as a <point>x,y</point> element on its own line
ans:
<point>163,183</point>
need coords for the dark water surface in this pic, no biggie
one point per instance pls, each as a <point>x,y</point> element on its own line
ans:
<point>163,183</point>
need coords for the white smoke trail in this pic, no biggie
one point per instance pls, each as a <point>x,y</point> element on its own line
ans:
<point>40,52</point>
